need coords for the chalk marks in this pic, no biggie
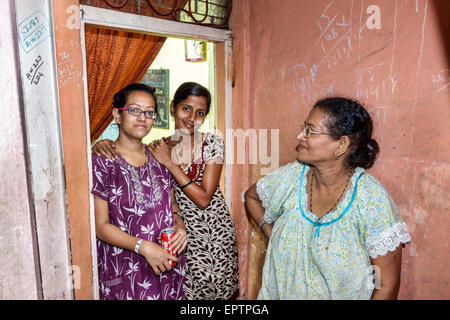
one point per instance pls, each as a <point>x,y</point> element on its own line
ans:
<point>35,73</point>
<point>418,69</point>
<point>302,79</point>
<point>441,80</point>
<point>67,71</point>
<point>369,82</point>
<point>393,76</point>
<point>381,113</point>
<point>33,31</point>
<point>335,38</point>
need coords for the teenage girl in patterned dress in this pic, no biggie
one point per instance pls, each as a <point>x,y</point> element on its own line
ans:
<point>195,160</point>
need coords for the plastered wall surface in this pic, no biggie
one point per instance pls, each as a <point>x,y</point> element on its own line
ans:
<point>74,130</point>
<point>45,245</point>
<point>17,237</point>
<point>393,58</point>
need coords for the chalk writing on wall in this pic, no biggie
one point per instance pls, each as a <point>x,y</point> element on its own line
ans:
<point>371,82</point>
<point>33,31</point>
<point>335,38</point>
<point>441,80</point>
<point>67,71</point>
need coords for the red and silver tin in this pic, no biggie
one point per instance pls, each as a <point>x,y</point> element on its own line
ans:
<point>166,239</point>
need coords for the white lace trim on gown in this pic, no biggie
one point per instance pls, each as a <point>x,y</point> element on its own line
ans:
<point>388,241</point>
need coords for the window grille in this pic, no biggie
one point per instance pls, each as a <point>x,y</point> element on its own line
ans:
<point>211,13</point>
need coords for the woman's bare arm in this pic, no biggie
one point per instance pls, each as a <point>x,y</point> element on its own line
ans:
<point>387,275</point>
<point>180,240</point>
<point>202,194</point>
<point>256,210</point>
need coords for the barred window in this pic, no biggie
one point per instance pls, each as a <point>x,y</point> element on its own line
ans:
<point>211,13</point>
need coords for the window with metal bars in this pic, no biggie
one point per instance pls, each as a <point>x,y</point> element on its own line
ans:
<point>211,13</point>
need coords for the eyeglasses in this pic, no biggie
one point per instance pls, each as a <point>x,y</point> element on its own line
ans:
<point>307,131</point>
<point>134,111</point>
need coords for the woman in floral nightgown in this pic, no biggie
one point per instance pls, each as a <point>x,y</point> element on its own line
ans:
<point>331,224</point>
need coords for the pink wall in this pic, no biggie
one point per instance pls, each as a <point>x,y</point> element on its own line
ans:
<point>289,53</point>
<point>73,126</point>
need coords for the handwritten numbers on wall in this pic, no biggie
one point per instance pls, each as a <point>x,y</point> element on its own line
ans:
<point>33,30</point>
<point>34,74</point>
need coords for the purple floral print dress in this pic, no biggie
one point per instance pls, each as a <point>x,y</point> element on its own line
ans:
<point>140,205</point>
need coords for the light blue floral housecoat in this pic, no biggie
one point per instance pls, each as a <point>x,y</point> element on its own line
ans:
<point>331,261</point>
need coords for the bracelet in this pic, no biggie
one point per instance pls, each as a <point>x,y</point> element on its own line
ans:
<point>262,224</point>
<point>138,246</point>
<point>182,187</point>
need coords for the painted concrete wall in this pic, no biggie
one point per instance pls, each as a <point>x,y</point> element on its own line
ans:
<point>288,54</point>
<point>35,249</point>
<point>38,69</point>
<point>18,254</point>
<point>45,247</point>
<point>74,129</point>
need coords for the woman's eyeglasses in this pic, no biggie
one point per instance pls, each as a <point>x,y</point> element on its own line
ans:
<point>307,131</point>
<point>135,111</point>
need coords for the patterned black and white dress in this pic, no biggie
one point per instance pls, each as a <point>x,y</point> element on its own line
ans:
<point>211,256</point>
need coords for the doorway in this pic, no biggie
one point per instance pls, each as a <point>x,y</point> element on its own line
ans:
<point>219,84</point>
<point>177,63</point>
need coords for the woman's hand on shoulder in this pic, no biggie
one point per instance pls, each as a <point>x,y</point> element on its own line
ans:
<point>161,151</point>
<point>106,148</point>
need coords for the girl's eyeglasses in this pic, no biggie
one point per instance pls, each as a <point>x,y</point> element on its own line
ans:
<point>134,111</point>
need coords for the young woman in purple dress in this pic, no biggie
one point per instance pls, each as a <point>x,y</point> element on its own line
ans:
<point>134,200</point>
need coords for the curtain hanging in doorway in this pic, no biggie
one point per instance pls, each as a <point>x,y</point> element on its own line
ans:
<point>114,59</point>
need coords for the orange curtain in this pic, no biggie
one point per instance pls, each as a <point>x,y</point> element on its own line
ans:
<point>114,59</point>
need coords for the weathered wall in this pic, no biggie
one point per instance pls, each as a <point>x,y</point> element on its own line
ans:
<point>75,141</point>
<point>241,118</point>
<point>44,201</point>
<point>288,54</point>
<point>18,254</point>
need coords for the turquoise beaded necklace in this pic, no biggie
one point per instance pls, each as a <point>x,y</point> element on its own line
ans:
<point>316,224</point>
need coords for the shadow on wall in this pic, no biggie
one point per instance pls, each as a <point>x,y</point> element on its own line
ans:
<point>442,8</point>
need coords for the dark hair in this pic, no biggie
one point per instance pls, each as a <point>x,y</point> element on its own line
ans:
<point>191,89</point>
<point>121,97</point>
<point>346,117</point>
